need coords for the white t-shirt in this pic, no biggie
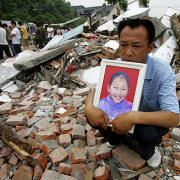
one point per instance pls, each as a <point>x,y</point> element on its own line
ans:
<point>17,37</point>
<point>49,30</point>
<point>3,39</point>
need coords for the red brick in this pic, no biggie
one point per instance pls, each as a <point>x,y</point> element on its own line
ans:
<point>55,64</point>
<point>18,110</point>
<point>44,135</point>
<point>4,170</point>
<point>24,173</point>
<point>38,172</point>
<point>92,166</point>
<point>99,56</point>
<point>102,173</point>
<point>18,128</point>
<point>16,120</point>
<point>5,108</point>
<point>65,140</point>
<point>13,160</point>
<point>176,155</point>
<point>30,114</point>
<point>66,128</point>
<point>91,139</point>
<point>16,95</point>
<point>160,173</point>
<point>48,146</point>
<point>58,155</point>
<point>128,157</point>
<point>5,151</point>
<point>40,159</point>
<point>82,117</point>
<point>34,144</point>
<point>64,168</point>
<point>78,155</point>
<point>53,128</point>
<point>102,152</point>
<point>111,54</point>
<point>176,165</point>
<point>75,171</point>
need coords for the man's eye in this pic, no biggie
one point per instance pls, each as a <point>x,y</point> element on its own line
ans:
<point>123,45</point>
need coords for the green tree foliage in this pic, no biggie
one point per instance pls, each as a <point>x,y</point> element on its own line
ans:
<point>122,3</point>
<point>36,11</point>
<point>144,3</point>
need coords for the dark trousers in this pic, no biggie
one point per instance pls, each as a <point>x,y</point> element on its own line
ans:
<point>17,48</point>
<point>4,48</point>
<point>12,47</point>
<point>147,137</point>
<point>40,43</point>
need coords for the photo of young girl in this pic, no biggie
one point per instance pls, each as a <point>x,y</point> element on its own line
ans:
<point>116,103</point>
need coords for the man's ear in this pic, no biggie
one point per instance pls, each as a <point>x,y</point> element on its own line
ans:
<point>151,47</point>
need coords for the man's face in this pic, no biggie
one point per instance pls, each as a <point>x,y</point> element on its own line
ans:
<point>119,89</point>
<point>133,44</point>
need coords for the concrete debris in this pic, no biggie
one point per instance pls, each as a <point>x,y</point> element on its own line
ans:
<point>45,108</point>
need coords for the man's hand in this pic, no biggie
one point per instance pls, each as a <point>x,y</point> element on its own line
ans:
<point>95,116</point>
<point>123,122</point>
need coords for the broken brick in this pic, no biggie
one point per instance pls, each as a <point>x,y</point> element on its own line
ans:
<point>38,172</point>
<point>128,157</point>
<point>24,172</point>
<point>65,140</point>
<point>40,159</point>
<point>78,155</point>
<point>102,173</point>
<point>102,152</point>
<point>64,168</point>
<point>16,120</point>
<point>48,146</point>
<point>176,165</point>
<point>53,128</point>
<point>66,128</point>
<point>111,54</point>
<point>13,160</point>
<point>176,155</point>
<point>5,151</point>
<point>58,155</point>
<point>5,108</point>
<point>91,139</point>
<point>44,135</point>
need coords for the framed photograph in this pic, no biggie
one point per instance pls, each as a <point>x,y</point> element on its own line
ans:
<point>119,87</point>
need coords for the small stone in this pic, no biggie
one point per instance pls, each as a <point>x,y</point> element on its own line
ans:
<point>38,172</point>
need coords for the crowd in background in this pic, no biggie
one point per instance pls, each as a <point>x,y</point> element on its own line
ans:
<point>12,37</point>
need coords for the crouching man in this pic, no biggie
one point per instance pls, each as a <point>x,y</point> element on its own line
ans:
<point>159,108</point>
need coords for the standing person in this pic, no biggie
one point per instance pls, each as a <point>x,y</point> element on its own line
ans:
<point>25,41</point>
<point>115,103</point>
<point>9,38</point>
<point>3,42</point>
<point>159,108</point>
<point>15,34</point>
<point>58,31</point>
<point>39,35</point>
<point>50,32</point>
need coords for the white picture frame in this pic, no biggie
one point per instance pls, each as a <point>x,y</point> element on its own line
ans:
<point>136,71</point>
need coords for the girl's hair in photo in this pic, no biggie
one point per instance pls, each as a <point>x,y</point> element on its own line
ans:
<point>117,74</point>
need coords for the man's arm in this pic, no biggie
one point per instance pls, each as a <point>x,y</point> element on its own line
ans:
<point>12,35</point>
<point>123,122</point>
<point>95,116</point>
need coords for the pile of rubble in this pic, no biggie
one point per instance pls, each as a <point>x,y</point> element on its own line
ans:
<point>44,132</point>
<point>64,146</point>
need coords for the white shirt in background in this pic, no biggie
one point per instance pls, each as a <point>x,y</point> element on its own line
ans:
<point>3,39</point>
<point>17,37</point>
<point>49,30</point>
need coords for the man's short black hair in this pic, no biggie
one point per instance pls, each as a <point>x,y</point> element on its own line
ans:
<point>20,23</point>
<point>5,25</point>
<point>134,23</point>
<point>13,22</point>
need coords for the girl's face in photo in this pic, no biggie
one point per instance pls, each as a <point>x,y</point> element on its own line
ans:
<point>119,89</point>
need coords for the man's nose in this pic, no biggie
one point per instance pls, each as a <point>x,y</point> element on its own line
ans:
<point>129,51</point>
